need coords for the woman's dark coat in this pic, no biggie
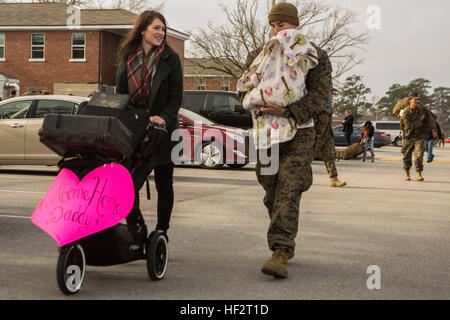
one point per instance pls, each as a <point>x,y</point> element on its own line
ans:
<point>166,96</point>
<point>348,124</point>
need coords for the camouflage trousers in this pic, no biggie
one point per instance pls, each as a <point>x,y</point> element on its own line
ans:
<point>284,189</point>
<point>326,150</point>
<point>416,145</point>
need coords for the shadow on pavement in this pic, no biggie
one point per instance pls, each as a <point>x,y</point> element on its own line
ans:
<point>29,172</point>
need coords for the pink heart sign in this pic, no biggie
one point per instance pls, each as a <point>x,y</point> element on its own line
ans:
<point>73,209</point>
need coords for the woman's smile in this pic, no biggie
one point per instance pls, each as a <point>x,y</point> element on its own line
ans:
<point>155,33</point>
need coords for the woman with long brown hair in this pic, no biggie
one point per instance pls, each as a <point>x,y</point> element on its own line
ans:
<point>151,73</point>
<point>368,131</point>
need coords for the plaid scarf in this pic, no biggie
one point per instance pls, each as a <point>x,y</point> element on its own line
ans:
<point>140,76</point>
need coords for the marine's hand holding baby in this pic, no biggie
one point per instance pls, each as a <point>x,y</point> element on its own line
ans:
<point>273,110</point>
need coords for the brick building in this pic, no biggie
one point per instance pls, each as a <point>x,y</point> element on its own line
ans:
<point>199,74</point>
<point>43,44</point>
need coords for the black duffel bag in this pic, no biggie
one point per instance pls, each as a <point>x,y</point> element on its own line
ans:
<point>72,135</point>
<point>118,105</point>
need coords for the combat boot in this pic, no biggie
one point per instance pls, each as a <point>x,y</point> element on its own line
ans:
<point>419,176</point>
<point>277,265</point>
<point>335,182</point>
<point>407,177</point>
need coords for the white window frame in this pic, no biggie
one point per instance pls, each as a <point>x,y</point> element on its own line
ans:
<point>201,83</point>
<point>225,84</point>
<point>31,52</point>
<point>72,59</point>
<point>3,46</point>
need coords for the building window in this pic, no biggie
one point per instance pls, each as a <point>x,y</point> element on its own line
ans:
<point>78,46</point>
<point>37,46</point>
<point>225,84</point>
<point>201,84</point>
<point>2,46</point>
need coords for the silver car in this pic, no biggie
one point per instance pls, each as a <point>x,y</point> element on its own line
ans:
<point>20,121</point>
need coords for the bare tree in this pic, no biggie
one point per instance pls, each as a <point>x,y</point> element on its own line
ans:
<point>229,45</point>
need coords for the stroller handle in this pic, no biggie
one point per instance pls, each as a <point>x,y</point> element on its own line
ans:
<point>155,125</point>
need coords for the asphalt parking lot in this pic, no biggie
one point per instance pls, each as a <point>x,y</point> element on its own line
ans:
<point>218,237</point>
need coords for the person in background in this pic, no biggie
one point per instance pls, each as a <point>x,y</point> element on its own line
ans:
<point>348,125</point>
<point>430,142</point>
<point>368,131</point>
<point>324,147</point>
<point>418,120</point>
<point>442,141</point>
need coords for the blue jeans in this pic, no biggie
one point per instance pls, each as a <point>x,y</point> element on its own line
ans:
<point>369,144</point>
<point>429,145</point>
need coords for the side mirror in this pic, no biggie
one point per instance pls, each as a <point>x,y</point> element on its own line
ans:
<point>239,108</point>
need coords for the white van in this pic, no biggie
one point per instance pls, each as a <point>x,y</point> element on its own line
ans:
<point>391,127</point>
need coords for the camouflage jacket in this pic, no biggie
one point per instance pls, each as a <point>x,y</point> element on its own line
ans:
<point>402,104</point>
<point>315,104</point>
<point>323,120</point>
<point>417,122</point>
<point>320,86</point>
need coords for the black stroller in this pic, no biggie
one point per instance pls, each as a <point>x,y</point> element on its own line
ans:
<point>108,130</point>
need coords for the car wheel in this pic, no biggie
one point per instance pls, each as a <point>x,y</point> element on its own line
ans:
<point>211,155</point>
<point>398,142</point>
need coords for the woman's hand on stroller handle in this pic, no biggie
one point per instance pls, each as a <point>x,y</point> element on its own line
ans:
<point>157,120</point>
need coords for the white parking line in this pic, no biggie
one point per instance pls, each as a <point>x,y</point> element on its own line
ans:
<point>15,217</point>
<point>21,191</point>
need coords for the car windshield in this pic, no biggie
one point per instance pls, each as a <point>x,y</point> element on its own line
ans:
<point>195,117</point>
<point>356,129</point>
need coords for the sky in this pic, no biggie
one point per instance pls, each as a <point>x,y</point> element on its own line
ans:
<point>412,42</point>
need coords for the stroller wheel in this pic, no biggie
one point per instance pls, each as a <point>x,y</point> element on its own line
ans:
<point>70,268</point>
<point>157,255</point>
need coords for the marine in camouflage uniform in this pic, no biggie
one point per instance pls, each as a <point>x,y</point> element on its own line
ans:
<point>324,147</point>
<point>401,106</point>
<point>284,189</point>
<point>417,122</point>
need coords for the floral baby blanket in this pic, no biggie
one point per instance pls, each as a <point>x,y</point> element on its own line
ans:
<point>277,76</point>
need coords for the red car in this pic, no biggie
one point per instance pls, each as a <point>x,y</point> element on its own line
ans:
<point>209,144</point>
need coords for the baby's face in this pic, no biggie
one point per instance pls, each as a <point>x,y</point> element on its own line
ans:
<point>278,26</point>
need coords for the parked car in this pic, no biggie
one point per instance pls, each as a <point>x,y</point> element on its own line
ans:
<point>222,107</point>
<point>211,145</point>
<point>381,139</point>
<point>20,120</point>
<point>392,128</point>
<point>22,117</point>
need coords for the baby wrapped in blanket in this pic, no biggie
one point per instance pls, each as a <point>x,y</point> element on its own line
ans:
<point>277,76</point>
